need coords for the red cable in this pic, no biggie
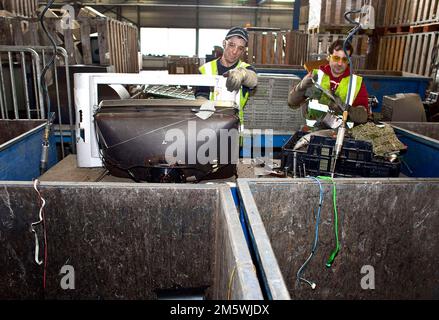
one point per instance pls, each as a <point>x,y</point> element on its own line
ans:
<point>45,249</point>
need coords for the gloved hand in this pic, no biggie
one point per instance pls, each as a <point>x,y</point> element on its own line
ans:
<point>240,76</point>
<point>336,105</point>
<point>305,83</point>
<point>358,114</point>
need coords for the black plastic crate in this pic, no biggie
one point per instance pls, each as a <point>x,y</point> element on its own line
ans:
<point>356,159</point>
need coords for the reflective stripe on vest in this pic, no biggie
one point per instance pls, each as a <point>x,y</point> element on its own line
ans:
<point>342,91</point>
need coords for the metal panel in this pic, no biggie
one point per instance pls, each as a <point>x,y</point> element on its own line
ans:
<point>390,225</point>
<point>124,241</point>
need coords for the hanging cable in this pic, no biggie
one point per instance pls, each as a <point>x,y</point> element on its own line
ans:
<point>334,253</point>
<point>348,40</point>
<point>33,225</point>
<point>50,117</point>
<point>316,239</point>
<point>52,60</point>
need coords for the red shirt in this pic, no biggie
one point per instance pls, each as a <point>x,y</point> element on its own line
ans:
<point>362,98</point>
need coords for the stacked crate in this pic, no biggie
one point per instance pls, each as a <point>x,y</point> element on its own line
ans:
<point>328,15</point>
<point>24,8</point>
<point>280,48</point>
<point>267,107</point>
<point>409,36</point>
<point>116,41</point>
<point>326,23</point>
<point>183,65</point>
<point>319,44</point>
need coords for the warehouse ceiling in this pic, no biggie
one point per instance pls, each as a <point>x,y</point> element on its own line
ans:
<point>244,4</point>
<point>193,13</point>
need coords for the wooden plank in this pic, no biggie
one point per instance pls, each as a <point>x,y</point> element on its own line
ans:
<point>251,43</point>
<point>270,48</point>
<point>325,44</point>
<point>279,45</point>
<point>407,52</point>
<point>412,54</point>
<point>85,40</point>
<point>69,45</point>
<point>33,33</point>
<point>393,10</point>
<point>102,29</point>
<point>18,32</point>
<point>401,53</point>
<point>118,27</point>
<point>264,49</point>
<point>127,55</point>
<point>291,49</point>
<point>391,55</point>
<point>432,43</point>
<point>407,11</point>
<point>423,54</point>
<point>135,43</point>
<point>387,54</point>
<point>115,45</point>
<point>400,13</point>
<point>413,66</point>
<point>323,12</point>
<point>395,53</point>
<point>426,15</point>
<point>259,48</point>
<point>432,15</point>
<point>337,13</point>
<point>387,12</point>
<point>381,47</point>
<point>414,6</point>
<point>420,12</point>
<point>68,170</point>
<point>312,43</point>
<point>114,59</point>
<point>123,48</point>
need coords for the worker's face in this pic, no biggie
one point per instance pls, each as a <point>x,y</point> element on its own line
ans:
<point>338,62</point>
<point>233,49</point>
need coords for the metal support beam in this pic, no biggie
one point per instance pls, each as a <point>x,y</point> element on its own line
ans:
<point>296,15</point>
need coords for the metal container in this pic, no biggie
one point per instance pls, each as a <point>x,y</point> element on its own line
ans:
<point>387,228</point>
<point>422,141</point>
<point>20,149</point>
<point>124,241</point>
<point>428,129</point>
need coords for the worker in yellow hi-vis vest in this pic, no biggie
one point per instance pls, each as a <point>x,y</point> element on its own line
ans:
<point>240,76</point>
<point>333,77</point>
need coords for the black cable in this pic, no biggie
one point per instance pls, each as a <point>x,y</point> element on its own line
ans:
<point>52,60</point>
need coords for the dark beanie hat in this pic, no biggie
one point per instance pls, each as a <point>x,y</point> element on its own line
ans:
<point>238,32</point>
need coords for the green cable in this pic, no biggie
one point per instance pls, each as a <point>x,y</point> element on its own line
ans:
<point>337,247</point>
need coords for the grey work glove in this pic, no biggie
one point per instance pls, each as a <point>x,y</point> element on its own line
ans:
<point>305,83</point>
<point>240,76</point>
<point>337,105</point>
<point>358,114</point>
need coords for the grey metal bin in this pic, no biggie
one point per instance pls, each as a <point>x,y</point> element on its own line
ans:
<point>428,129</point>
<point>388,229</point>
<point>125,241</point>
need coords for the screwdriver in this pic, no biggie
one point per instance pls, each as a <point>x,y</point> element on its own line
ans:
<point>339,141</point>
